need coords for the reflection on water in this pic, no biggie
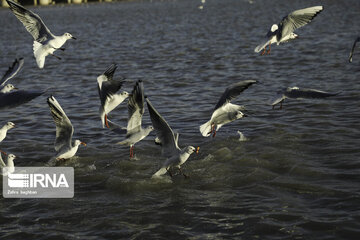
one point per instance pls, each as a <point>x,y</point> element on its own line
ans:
<point>295,177</point>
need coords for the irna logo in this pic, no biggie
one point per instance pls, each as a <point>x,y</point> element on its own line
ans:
<point>37,180</point>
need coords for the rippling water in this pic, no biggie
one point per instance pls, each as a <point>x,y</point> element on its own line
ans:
<point>297,177</point>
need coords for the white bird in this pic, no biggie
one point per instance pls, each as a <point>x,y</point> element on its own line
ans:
<point>11,72</point>
<point>64,131</point>
<point>224,111</point>
<point>4,129</point>
<point>169,143</point>
<point>353,48</point>
<point>107,89</point>
<point>297,93</point>
<point>284,31</point>
<point>10,166</point>
<point>135,132</point>
<point>45,42</point>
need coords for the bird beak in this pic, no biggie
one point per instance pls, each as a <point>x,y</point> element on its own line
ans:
<point>197,150</point>
<point>82,143</point>
<point>16,88</point>
<point>73,38</point>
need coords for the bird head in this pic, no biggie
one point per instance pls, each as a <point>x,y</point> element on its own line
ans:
<point>78,142</point>
<point>10,125</point>
<point>191,149</point>
<point>8,88</point>
<point>69,36</point>
<point>274,27</point>
<point>125,94</point>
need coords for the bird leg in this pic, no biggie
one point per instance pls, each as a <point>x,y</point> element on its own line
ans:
<point>168,170</point>
<point>106,121</point>
<point>56,56</point>
<point>264,51</point>
<point>183,173</point>
<point>3,152</point>
<point>131,151</point>
<point>268,52</point>
<point>213,130</point>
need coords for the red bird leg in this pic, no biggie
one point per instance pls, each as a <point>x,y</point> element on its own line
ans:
<point>268,52</point>
<point>264,50</point>
<point>106,121</point>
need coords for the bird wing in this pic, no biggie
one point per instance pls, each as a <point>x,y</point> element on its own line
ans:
<point>64,128</point>
<point>353,49</point>
<point>12,71</point>
<point>233,91</point>
<point>16,98</point>
<point>298,18</point>
<point>169,141</point>
<point>31,21</point>
<point>136,108</point>
<point>107,87</point>
<point>2,163</point>
<point>307,93</point>
<point>116,128</point>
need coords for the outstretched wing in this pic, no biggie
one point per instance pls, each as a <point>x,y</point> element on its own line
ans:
<point>12,71</point>
<point>307,93</point>
<point>233,91</point>
<point>353,49</point>
<point>64,128</point>
<point>169,141</point>
<point>106,85</point>
<point>31,21</point>
<point>16,98</point>
<point>136,108</point>
<point>298,18</point>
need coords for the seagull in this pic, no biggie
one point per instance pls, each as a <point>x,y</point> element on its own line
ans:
<point>4,130</point>
<point>11,72</point>
<point>107,89</point>
<point>297,93</point>
<point>135,132</point>
<point>9,167</point>
<point>64,131</point>
<point>224,111</point>
<point>169,143</point>
<point>10,98</point>
<point>284,31</point>
<point>353,49</point>
<point>45,42</point>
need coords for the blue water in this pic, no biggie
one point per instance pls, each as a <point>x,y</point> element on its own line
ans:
<point>297,176</point>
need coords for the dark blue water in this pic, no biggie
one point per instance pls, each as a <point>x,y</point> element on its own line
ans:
<point>297,177</point>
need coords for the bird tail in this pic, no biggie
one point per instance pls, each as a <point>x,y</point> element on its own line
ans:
<point>123,142</point>
<point>160,172</point>
<point>39,54</point>
<point>262,46</point>
<point>205,129</point>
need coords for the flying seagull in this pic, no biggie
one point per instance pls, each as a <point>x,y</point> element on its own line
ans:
<point>353,49</point>
<point>224,111</point>
<point>64,131</point>
<point>169,143</point>
<point>45,42</point>
<point>107,88</point>
<point>284,31</point>
<point>12,71</point>
<point>4,130</point>
<point>10,98</point>
<point>9,167</point>
<point>297,93</point>
<point>135,132</point>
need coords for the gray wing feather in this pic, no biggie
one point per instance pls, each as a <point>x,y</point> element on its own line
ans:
<point>353,49</point>
<point>31,21</point>
<point>297,19</point>
<point>163,131</point>
<point>233,91</point>
<point>106,85</point>
<point>116,128</point>
<point>2,164</point>
<point>64,128</point>
<point>136,107</point>
<point>12,71</point>
<point>16,98</point>
<point>307,93</point>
